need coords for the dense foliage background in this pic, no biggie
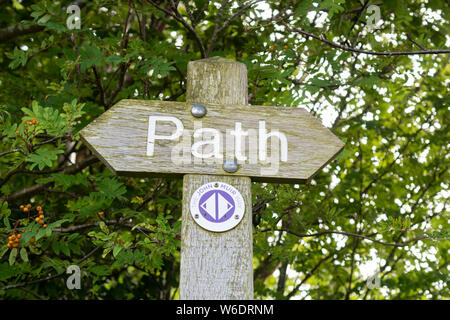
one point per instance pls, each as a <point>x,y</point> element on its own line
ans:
<point>380,208</point>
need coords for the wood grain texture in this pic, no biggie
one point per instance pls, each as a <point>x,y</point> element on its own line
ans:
<point>119,138</point>
<point>216,265</point>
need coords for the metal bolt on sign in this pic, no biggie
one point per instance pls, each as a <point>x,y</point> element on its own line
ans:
<point>198,110</point>
<point>230,165</point>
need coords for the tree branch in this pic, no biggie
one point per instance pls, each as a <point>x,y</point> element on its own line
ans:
<point>377,53</point>
<point>403,244</point>
<point>13,151</point>
<point>356,21</point>
<point>100,86</point>
<point>237,13</point>
<point>9,33</point>
<point>212,42</point>
<point>75,228</point>
<point>40,186</point>
<point>412,40</point>
<point>176,15</point>
<point>23,284</point>
<point>33,293</point>
<point>309,275</point>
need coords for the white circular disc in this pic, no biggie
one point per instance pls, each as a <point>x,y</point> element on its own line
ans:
<point>217,206</point>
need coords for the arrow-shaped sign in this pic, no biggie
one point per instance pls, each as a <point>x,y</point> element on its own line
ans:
<point>282,144</point>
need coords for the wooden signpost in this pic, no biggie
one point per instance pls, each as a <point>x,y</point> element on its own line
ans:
<point>219,145</point>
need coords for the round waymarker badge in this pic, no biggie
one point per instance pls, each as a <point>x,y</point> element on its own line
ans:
<point>217,206</point>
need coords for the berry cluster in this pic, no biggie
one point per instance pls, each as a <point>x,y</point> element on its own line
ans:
<point>14,240</point>
<point>29,123</point>
<point>39,218</point>
<point>25,208</point>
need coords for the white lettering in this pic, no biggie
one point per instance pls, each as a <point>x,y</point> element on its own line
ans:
<point>152,136</point>
<point>207,145</point>
<point>238,133</point>
<point>263,136</point>
<point>215,142</point>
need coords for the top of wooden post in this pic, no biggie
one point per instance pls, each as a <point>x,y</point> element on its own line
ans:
<point>217,80</point>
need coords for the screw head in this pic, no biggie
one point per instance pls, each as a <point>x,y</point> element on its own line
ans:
<point>230,165</point>
<point>198,110</point>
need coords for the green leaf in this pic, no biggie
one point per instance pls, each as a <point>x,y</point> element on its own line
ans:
<point>40,233</point>
<point>100,270</point>
<point>65,248</point>
<point>57,223</point>
<point>44,19</point>
<point>111,188</point>
<point>368,81</point>
<point>43,158</point>
<point>65,181</point>
<point>48,119</point>
<point>3,250</point>
<point>4,211</point>
<point>6,271</point>
<point>103,227</point>
<point>6,223</point>
<point>55,247</point>
<point>333,6</point>
<point>106,252</point>
<point>73,110</point>
<point>115,60</point>
<point>19,57</point>
<point>116,251</point>
<point>24,254</point>
<point>12,256</point>
<point>90,56</point>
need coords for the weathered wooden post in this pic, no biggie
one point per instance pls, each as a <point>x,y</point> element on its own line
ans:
<point>146,138</point>
<point>216,265</point>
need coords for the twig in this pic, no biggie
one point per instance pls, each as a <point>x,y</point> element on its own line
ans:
<point>13,151</point>
<point>23,284</point>
<point>99,85</point>
<point>9,33</point>
<point>38,187</point>
<point>309,275</point>
<point>377,53</point>
<point>212,42</point>
<point>189,12</point>
<point>64,139</point>
<point>150,196</point>
<point>403,244</point>
<point>123,66</point>
<point>356,21</point>
<point>33,293</point>
<point>141,23</point>
<point>124,41</point>
<point>237,13</point>
<point>75,228</point>
<point>412,40</point>
<point>180,19</point>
